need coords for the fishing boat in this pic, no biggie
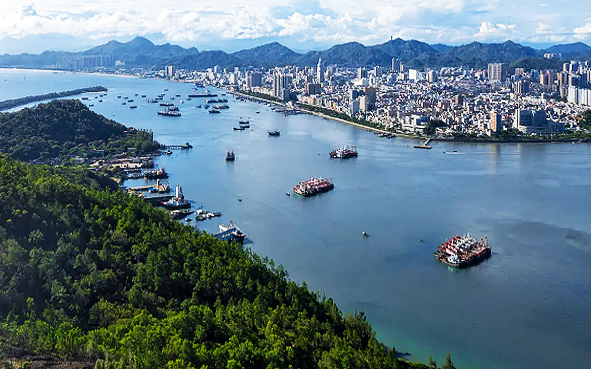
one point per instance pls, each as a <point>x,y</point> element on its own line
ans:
<point>214,111</point>
<point>241,121</point>
<point>230,156</point>
<point>238,128</point>
<point>274,133</point>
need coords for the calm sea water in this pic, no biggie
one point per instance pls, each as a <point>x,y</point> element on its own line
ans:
<point>529,306</point>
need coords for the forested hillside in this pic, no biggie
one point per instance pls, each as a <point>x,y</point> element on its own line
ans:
<point>65,128</point>
<point>88,272</point>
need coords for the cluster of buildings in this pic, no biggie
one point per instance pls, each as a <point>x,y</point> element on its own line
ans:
<point>456,101</point>
<point>448,101</point>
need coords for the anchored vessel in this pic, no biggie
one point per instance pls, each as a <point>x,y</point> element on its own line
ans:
<point>313,186</point>
<point>172,111</point>
<point>343,153</point>
<point>230,232</point>
<point>463,251</point>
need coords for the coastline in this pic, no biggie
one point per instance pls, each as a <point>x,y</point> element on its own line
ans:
<point>411,136</point>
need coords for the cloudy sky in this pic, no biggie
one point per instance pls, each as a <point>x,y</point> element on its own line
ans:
<point>300,24</point>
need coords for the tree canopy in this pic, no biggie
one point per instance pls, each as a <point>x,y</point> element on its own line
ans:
<point>89,272</point>
<point>65,128</point>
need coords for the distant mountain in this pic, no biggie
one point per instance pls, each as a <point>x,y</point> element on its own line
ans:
<point>441,47</point>
<point>268,55</point>
<point>575,50</point>
<point>478,55</point>
<point>141,52</point>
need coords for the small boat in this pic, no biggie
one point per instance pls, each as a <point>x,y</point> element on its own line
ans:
<point>90,105</point>
<point>288,194</point>
<point>123,103</point>
<point>274,133</point>
<point>230,156</point>
<point>198,106</point>
<point>238,128</point>
<point>258,112</point>
<point>214,111</point>
<point>365,234</point>
<point>168,152</point>
<point>133,107</point>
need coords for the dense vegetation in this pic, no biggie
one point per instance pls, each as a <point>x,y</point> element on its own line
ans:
<point>12,103</point>
<point>63,129</point>
<point>91,274</point>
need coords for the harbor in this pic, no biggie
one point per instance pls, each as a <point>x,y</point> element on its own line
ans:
<point>397,195</point>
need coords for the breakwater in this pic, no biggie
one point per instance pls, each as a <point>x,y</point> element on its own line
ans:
<point>13,103</point>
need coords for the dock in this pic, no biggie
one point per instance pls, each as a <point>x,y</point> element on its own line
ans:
<point>184,146</point>
<point>157,199</point>
<point>143,188</point>
<point>424,145</point>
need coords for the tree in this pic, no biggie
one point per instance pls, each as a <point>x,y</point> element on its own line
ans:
<point>448,362</point>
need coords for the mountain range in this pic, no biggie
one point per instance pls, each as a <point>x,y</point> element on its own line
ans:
<point>140,52</point>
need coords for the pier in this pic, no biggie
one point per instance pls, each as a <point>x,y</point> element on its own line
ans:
<point>143,188</point>
<point>424,145</point>
<point>157,199</point>
<point>184,146</point>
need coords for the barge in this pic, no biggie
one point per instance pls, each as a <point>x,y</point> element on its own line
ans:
<point>463,251</point>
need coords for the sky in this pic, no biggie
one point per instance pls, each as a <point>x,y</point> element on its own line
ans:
<point>303,25</point>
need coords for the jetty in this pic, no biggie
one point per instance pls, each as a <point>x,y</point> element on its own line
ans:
<point>157,199</point>
<point>424,145</point>
<point>184,146</point>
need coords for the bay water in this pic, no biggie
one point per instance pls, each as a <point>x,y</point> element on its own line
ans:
<point>528,306</point>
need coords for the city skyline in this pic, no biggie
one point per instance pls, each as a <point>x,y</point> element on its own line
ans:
<point>74,25</point>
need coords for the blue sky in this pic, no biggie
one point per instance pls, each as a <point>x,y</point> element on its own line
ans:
<point>302,25</point>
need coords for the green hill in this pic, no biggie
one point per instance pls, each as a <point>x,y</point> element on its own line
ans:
<point>91,273</point>
<point>65,128</point>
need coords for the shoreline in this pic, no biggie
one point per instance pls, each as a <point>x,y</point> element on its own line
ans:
<point>340,120</point>
<point>411,136</point>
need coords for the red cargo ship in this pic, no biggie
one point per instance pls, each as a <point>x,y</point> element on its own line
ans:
<point>313,186</point>
<point>461,252</point>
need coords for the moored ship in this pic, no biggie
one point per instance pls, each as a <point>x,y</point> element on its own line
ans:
<point>230,232</point>
<point>313,186</point>
<point>343,153</point>
<point>177,202</point>
<point>463,251</point>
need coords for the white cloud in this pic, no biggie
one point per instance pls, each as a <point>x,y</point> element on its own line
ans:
<point>586,29</point>
<point>307,22</point>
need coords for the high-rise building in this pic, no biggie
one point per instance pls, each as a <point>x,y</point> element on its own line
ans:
<point>254,79</point>
<point>495,125</point>
<point>432,76</point>
<point>395,65</point>
<point>522,87</point>
<point>497,72</point>
<point>413,75</point>
<point>361,73</point>
<point>319,72</point>
<point>523,118</point>
<point>169,71</point>
<point>282,85</point>
<point>377,71</point>
<point>313,89</point>
<point>370,93</point>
